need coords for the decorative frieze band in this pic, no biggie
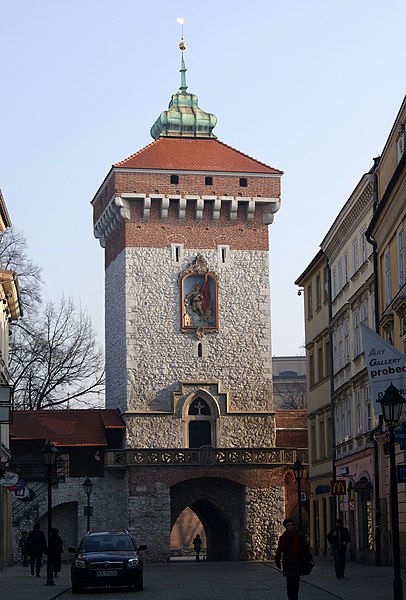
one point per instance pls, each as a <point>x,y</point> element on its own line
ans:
<point>204,456</point>
<point>118,209</point>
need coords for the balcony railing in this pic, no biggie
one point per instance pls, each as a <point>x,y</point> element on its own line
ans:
<point>204,456</point>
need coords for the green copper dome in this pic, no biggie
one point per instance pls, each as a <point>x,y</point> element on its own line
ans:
<point>184,118</point>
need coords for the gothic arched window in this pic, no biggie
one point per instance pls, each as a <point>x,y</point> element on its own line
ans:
<point>200,424</point>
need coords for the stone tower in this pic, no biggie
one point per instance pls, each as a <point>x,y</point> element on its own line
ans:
<point>184,223</point>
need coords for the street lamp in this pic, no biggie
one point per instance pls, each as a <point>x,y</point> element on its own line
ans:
<point>392,404</point>
<point>298,470</point>
<point>88,487</point>
<point>49,451</point>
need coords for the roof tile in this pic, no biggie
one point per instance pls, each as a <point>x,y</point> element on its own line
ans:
<point>183,154</point>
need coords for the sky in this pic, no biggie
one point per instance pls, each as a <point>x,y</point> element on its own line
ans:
<point>311,88</point>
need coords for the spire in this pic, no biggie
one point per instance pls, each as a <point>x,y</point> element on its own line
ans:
<point>184,118</point>
<point>182,46</point>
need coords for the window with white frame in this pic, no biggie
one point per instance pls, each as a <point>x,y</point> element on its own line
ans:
<point>368,410</point>
<point>401,256</point>
<point>355,262</point>
<point>335,351</point>
<point>364,312</point>
<point>338,424</point>
<point>340,275</point>
<point>309,301</point>
<point>343,428</point>
<point>357,345</point>
<point>346,342</point>
<point>340,347</point>
<point>363,247</point>
<point>349,417</point>
<point>345,267</point>
<point>318,292</point>
<point>386,260</point>
<point>334,283</point>
<point>358,410</point>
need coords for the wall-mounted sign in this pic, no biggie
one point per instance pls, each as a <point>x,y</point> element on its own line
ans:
<point>362,487</point>
<point>322,489</point>
<point>9,478</point>
<point>338,487</point>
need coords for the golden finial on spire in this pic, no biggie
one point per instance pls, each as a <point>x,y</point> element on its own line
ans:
<point>182,44</point>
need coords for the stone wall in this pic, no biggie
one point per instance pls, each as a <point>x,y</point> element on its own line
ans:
<point>146,347</point>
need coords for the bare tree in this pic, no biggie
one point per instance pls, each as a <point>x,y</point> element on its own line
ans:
<point>55,360</point>
<point>290,394</point>
<point>13,256</point>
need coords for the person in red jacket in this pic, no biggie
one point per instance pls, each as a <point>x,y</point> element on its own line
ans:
<point>292,545</point>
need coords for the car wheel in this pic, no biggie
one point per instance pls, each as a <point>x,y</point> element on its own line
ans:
<point>139,585</point>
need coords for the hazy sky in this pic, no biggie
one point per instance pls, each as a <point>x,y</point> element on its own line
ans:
<point>311,88</point>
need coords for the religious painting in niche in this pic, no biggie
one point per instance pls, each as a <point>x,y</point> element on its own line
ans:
<point>199,310</point>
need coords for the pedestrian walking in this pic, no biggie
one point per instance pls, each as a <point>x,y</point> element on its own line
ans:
<point>292,548</point>
<point>55,549</point>
<point>197,545</point>
<point>339,537</point>
<point>22,544</point>
<point>37,546</point>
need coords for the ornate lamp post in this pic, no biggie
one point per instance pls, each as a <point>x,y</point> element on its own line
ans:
<point>88,487</point>
<point>49,451</point>
<point>298,470</point>
<point>392,404</point>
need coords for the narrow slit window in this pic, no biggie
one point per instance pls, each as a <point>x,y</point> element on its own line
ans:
<point>199,350</point>
<point>223,254</point>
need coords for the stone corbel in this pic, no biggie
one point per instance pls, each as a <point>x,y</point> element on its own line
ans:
<point>182,208</point>
<point>199,209</point>
<point>164,207</point>
<point>216,209</point>
<point>147,208</point>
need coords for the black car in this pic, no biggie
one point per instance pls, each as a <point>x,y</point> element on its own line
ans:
<point>107,559</point>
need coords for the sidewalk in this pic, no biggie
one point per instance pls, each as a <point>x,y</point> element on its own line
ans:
<point>17,583</point>
<point>362,582</point>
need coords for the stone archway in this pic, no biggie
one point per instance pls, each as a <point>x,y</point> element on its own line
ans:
<point>219,505</point>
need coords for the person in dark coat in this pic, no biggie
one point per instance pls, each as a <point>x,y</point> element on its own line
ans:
<point>37,546</point>
<point>55,550</point>
<point>292,545</point>
<point>197,545</point>
<point>339,537</point>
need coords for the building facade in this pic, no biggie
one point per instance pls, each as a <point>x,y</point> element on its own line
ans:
<point>289,381</point>
<point>350,261</point>
<point>313,284</point>
<point>184,223</point>
<point>361,269</point>
<point>387,233</point>
<point>10,310</point>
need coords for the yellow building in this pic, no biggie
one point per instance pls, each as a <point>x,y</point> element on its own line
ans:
<point>314,285</point>
<point>387,233</point>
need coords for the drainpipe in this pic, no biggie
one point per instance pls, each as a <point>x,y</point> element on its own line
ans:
<point>378,428</point>
<point>332,406</point>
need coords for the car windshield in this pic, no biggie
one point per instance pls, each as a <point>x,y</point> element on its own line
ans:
<point>108,543</point>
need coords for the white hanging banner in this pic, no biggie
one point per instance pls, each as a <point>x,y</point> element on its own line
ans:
<point>385,365</point>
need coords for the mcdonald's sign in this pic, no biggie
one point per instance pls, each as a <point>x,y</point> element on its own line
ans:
<point>338,487</point>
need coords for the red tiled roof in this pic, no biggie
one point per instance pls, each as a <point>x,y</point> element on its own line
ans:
<point>185,154</point>
<point>66,427</point>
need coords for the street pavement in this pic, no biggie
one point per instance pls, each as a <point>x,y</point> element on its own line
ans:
<point>178,580</point>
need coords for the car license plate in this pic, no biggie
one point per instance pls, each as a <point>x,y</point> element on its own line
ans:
<point>106,573</point>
